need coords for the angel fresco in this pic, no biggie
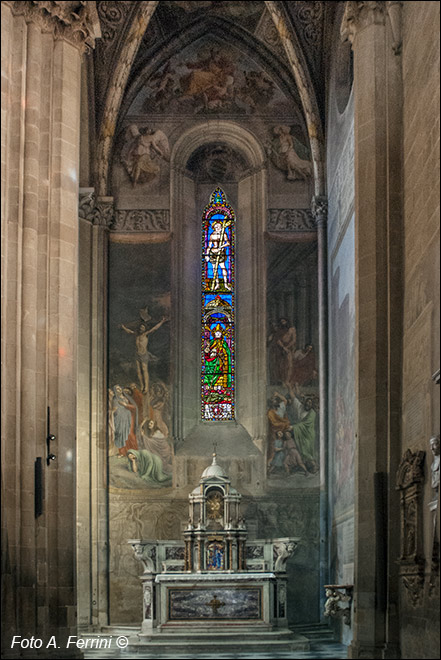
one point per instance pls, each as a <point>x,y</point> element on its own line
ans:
<point>142,151</point>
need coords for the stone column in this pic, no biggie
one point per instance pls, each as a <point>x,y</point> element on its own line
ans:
<point>377,223</point>
<point>148,603</point>
<point>320,214</point>
<point>40,145</point>
<point>96,217</point>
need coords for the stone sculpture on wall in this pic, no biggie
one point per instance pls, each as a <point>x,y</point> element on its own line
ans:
<point>283,151</point>
<point>433,507</point>
<point>434,468</point>
<point>410,475</point>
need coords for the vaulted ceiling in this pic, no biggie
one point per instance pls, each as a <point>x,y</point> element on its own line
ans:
<point>289,39</point>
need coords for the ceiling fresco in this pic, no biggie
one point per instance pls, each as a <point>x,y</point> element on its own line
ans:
<point>209,77</point>
<point>171,19</point>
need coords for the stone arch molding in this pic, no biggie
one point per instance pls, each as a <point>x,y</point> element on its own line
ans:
<point>225,131</point>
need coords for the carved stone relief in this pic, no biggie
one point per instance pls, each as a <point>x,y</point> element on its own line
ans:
<point>433,507</point>
<point>295,220</point>
<point>141,220</point>
<point>282,552</point>
<point>410,475</point>
<point>266,31</point>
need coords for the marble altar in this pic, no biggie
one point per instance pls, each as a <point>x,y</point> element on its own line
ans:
<point>215,580</point>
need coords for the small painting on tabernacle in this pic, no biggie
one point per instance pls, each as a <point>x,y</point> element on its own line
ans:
<point>217,350</point>
<point>215,556</point>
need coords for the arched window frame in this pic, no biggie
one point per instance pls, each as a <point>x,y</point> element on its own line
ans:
<point>218,310</point>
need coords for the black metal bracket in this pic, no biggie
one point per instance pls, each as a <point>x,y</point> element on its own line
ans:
<point>50,438</point>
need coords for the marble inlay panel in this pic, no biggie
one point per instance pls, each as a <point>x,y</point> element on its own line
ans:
<point>214,603</point>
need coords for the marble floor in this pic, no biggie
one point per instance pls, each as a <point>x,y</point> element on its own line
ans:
<point>318,650</point>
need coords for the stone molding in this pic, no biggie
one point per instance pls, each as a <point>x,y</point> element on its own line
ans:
<point>75,22</point>
<point>359,15</point>
<point>98,211</point>
<point>292,220</point>
<point>141,220</point>
<point>410,476</point>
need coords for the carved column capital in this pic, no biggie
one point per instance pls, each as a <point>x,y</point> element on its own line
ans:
<point>359,15</point>
<point>394,9</point>
<point>98,211</point>
<point>105,212</point>
<point>319,208</point>
<point>75,22</point>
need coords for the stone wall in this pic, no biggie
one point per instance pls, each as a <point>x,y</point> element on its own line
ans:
<point>420,396</point>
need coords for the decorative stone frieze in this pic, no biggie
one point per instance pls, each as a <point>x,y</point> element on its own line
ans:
<point>75,22</point>
<point>359,15</point>
<point>293,220</point>
<point>141,220</point>
<point>410,476</point>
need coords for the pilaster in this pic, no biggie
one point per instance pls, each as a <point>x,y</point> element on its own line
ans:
<point>96,215</point>
<point>378,326</point>
<point>320,214</point>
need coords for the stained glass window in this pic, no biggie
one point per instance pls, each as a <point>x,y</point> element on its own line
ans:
<point>218,304</point>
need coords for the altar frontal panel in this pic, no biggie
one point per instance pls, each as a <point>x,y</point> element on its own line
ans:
<point>221,604</point>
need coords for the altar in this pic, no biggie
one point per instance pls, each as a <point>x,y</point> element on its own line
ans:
<point>216,581</point>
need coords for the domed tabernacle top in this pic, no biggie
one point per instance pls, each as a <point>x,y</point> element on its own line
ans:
<point>214,470</point>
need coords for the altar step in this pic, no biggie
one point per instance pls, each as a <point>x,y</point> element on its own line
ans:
<point>224,642</point>
<point>315,632</point>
